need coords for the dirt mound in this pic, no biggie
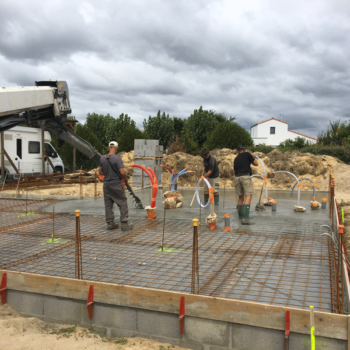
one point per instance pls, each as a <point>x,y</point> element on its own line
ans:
<point>303,165</point>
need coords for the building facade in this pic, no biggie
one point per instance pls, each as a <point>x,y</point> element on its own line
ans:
<point>272,132</point>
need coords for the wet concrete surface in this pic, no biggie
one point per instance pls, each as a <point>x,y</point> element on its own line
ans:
<point>227,205</point>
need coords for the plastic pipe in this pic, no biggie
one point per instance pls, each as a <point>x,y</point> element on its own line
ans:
<point>260,162</point>
<point>264,179</point>
<point>153,181</point>
<point>155,187</point>
<point>287,172</point>
<point>197,192</point>
<point>166,167</point>
<point>313,187</point>
<point>182,172</point>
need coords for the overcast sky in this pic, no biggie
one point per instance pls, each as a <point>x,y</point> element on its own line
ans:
<point>250,59</point>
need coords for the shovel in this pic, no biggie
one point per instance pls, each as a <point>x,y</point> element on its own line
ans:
<point>259,206</point>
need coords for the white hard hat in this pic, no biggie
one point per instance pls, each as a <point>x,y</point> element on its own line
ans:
<point>113,144</point>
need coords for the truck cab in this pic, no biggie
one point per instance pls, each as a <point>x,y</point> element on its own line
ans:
<point>24,147</point>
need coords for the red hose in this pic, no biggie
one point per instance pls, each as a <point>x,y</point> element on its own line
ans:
<point>153,181</point>
<point>155,188</point>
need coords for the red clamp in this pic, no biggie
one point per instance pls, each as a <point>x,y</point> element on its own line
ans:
<point>287,327</point>
<point>90,301</point>
<point>3,288</point>
<point>182,314</point>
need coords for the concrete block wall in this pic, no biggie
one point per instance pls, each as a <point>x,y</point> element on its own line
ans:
<point>146,148</point>
<point>139,148</point>
<point>199,333</point>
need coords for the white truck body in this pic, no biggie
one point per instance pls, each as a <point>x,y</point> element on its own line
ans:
<point>23,145</point>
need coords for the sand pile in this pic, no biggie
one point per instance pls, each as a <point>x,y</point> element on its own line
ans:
<point>23,333</point>
<point>301,164</point>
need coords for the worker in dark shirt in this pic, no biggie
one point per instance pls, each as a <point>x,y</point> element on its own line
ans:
<point>112,167</point>
<point>212,174</point>
<point>243,182</point>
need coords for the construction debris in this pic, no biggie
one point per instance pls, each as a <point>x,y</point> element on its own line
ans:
<point>315,204</point>
<point>267,201</point>
<point>173,199</point>
<point>299,208</point>
<point>84,176</point>
<point>211,219</point>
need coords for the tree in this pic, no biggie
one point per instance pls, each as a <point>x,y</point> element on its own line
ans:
<point>335,134</point>
<point>102,126</point>
<point>200,125</point>
<point>160,127</point>
<point>191,146</point>
<point>178,126</point>
<point>293,145</point>
<point>126,140</point>
<point>108,128</point>
<point>228,135</point>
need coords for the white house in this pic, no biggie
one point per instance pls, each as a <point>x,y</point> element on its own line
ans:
<point>272,132</point>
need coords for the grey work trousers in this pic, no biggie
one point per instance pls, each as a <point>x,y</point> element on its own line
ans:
<point>115,194</point>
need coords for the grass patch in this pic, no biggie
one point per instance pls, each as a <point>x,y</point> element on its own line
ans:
<point>65,331</point>
<point>121,341</point>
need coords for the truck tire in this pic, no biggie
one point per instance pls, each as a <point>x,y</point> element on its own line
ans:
<point>59,169</point>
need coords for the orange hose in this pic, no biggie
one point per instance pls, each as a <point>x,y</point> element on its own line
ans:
<point>153,181</point>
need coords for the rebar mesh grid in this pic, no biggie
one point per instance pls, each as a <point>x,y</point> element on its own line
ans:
<point>287,264</point>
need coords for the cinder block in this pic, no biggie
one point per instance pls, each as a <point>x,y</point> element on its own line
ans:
<point>138,143</point>
<point>158,323</point>
<point>139,152</point>
<point>150,153</point>
<point>207,331</point>
<point>302,342</point>
<point>151,144</point>
<point>248,337</point>
<point>115,316</point>
<point>63,309</point>
<point>26,303</point>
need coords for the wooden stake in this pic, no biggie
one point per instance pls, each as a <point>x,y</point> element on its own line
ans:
<point>193,198</point>
<point>2,158</point>
<point>43,151</point>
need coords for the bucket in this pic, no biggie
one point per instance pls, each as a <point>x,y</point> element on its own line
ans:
<point>212,226</point>
<point>274,205</point>
<point>324,203</point>
<point>151,214</point>
<point>227,222</point>
<point>314,206</point>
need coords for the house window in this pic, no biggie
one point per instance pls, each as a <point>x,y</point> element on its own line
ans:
<point>272,130</point>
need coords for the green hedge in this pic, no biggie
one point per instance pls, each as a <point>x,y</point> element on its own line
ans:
<point>341,152</point>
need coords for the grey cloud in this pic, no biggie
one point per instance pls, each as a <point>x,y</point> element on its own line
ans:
<point>140,57</point>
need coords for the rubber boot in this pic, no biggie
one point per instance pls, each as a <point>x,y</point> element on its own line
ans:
<point>245,215</point>
<point>239,209</point>
<point>216,199</point>
<point>206,198</point>
<point>126,226</point>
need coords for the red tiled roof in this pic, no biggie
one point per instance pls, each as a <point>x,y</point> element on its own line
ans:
<point>264,121</point>
<point>309,137</point>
